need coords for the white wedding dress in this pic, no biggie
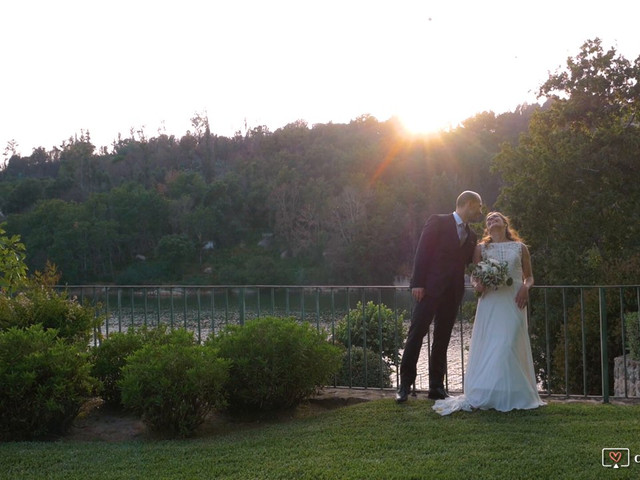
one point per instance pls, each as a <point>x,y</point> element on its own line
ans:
<point>500,371</point>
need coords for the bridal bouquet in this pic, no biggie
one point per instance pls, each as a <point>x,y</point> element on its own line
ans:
<point>491,273</point>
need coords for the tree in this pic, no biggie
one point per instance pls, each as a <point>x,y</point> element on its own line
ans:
<point>574,165</point>
<point>176,250</point>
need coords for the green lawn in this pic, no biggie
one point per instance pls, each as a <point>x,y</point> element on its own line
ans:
<point>373,440</point>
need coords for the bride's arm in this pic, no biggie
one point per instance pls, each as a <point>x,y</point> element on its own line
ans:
<point>477,254</point>
<point>522,296</point>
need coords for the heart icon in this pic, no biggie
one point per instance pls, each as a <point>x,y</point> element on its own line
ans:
<point>615,456</point>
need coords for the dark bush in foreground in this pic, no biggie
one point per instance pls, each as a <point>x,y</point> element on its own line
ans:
<point>173,385</point>
<point>275,363</point>
<point>352,374</point>
<point>110,356</point>
<point>44,382</point>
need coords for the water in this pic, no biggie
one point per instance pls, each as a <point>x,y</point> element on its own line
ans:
<point>457,356</point>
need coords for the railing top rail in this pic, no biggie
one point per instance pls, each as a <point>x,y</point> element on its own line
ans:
<point>311,287</point>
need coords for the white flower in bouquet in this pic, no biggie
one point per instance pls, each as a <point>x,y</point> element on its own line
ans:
<point>491,273</point>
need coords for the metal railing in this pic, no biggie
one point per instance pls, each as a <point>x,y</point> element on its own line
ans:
<point>576,331</point>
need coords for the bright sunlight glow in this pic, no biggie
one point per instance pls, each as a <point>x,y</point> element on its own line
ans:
<point>430,64</point>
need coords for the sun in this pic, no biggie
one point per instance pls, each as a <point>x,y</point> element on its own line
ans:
<point>421,123</point>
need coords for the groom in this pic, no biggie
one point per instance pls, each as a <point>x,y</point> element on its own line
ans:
<point>445,249</point>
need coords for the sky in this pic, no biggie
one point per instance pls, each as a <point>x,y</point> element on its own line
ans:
<point>113,67</point>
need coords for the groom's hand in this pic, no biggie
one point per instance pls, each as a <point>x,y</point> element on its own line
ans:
<point>418,294</point>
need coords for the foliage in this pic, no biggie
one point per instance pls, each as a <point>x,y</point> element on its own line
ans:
<point>173,385</point>
<point>40,304</point>
<point>374,325</point>
<point>44,383</point>
<point>576,160</point>
<point>469,310</point>
<point>632,325</point>
<point>246,266</point>
<point>107,360</point>
<point>144,273</point>
<point>354,366</point>
<point>344,203</point>
<point>275,363</point>
<point>568,363</point>
<point>110,356</point>
<point>175,250</point>
<point>13,269</point>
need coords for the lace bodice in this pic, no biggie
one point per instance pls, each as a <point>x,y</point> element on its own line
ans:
<point>510,252</point>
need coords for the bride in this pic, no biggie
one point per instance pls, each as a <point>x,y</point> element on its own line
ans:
<point>500,372</point>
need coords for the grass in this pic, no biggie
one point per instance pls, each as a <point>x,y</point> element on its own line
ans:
<point>373,440</point>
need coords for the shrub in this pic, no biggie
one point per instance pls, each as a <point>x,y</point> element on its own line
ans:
<point>275,363</point>
<point>108,358</point>
<point>44,382</point>
<point>384,331</point>
<point>173,384</point>
<point>111,354</point>
<point>39,303</point>
<point>352,373</point>
<point>13,269</point>
<point>632,324</point>
<point>469,310</point>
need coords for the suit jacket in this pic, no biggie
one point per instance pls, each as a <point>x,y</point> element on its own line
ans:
<point>440,260</point>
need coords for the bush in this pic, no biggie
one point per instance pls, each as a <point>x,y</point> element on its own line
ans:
<point>353,370</point>
<point>110,356</point>
<point>379,321</point>
<point>632,324</point>
<point>13,269</point>
<point>44,382</point>
<point>173,384</point>
<point>40,304</point>
<point>275,363</point>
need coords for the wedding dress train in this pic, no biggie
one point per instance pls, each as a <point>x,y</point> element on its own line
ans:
<point>500,373</point>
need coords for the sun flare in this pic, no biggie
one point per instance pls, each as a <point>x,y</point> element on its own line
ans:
<point>421,123</point>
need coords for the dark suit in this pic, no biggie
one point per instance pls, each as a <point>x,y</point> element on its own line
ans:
<point>438,267</point>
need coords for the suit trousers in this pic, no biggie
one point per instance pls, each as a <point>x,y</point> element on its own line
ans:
<point>442,311</point>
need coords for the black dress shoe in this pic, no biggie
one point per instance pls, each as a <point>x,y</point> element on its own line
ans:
<point>402,394</point>
<point>437,393</point>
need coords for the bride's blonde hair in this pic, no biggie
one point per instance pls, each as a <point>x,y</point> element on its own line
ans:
<point>510,232</point>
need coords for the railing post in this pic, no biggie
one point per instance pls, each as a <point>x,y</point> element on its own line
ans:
<point>565,326</point>
<point>318,309</point>
<point>242,305</point>
<point>604,354</point>
<point>120,308</point>
<point>171,307</point>
<point>364,340</point>
<point>547,339</point>
<point>585,390</point>
<point>381,360</point>
<point>199,309</point>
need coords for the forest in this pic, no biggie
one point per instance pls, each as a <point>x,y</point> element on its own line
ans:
<point>341,203</point>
